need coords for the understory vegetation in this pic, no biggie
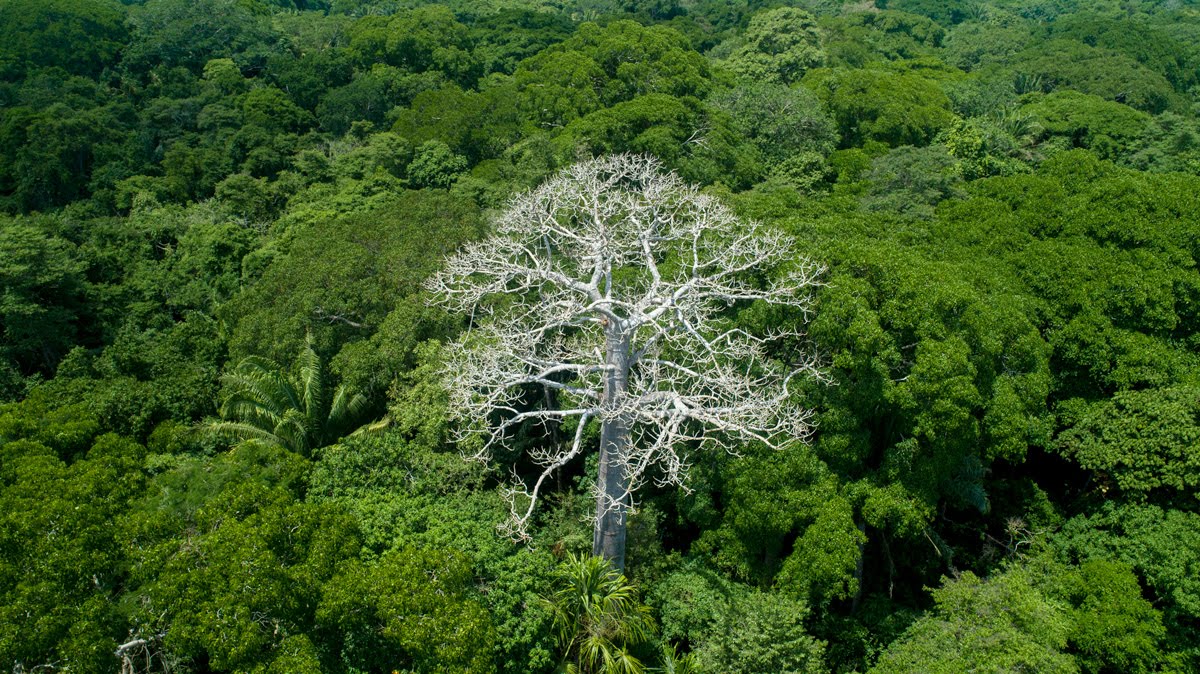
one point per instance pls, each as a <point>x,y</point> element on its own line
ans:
<point>225,440</point>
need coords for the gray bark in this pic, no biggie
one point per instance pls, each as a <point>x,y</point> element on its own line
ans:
<point>612,481</point>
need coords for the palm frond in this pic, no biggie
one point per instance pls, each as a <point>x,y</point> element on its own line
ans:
<point>294,413</point>
<point>372,428</point>
<point>347,410</point>
<point>675,663</point>
<point>597,616</point>
<point>245,406</point>
<point>311,381</point>
<point>294,430</point>
<point>277,385</point>
<point>262,380</point>
<point>238,432</point>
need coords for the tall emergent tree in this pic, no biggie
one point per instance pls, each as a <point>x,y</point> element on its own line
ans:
<point>607,295</point>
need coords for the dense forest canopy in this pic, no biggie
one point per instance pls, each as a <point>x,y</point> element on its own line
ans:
<point>226,442</point>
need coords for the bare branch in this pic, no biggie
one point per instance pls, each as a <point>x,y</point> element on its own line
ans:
<point>612,284</point>
<point>321,313</point>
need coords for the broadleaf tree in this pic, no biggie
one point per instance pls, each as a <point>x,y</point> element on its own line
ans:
<point>607,296</point>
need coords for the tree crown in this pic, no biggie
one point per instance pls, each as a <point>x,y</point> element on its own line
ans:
<point>610,286</point>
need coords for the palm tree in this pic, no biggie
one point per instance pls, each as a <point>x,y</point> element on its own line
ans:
<point>598,617</point>
<point>675,663</point>
<point>296,412</point>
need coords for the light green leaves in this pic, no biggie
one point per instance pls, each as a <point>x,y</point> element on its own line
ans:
<point>779,45</point>
<point>295,411</point>
<point>1145,441</point>
<point>1000,624</point>
<point>598,617</point>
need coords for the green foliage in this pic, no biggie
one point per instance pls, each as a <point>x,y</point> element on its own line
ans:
<point>249,576</point>
<point>52,152</point>
<point>409,610</point>
<point>379,153</point>
<point>1091,218</point>
<point>929,366</point>
<point>343,271</point>
<point>42,418</point>
<point>298,412</point>
<point>269,108</point>
<point>1144,440</point>
<point>912,181</point>
<point>44,296</point>
<point>503,39</point>
<point>1037,609</point>
<point>307,76</point>
<point>778,45</point>
<point>1010,321</point>
<point>201,266</point>
<point>945,12</point>
<point>1147,44</point>
<point>978,44</point>
<point>401,355</point>
<point>558,86</point>
<point>597,67</point>
<point>435,165</point>
<point>807,172</point>
<point>861,37</point>
<point>187,34</point>
<point>673,662</point>
<point>781,121</point>
<point>62,563</point>
<point>598,618</point>
<point>477,125</point>
<point>148,377</point>
<point>1003,623</point>
<point>895,108</point>
<point>1169,143</point>
<point>679,131</point>
<point>1038,614</point>
<point>370,96</point>
<point>733,628</point>
<point>1110,75</point>
<point>639,60</point>
<point>246,196</point>
<point>185,485</point>
<point>990,147</point>
<point>1075,119</point>
<point>404,495</point>
<point>80,36</point>
<point>1160,544</point>
<point>426,38</point>
<point>802,538</point>
<point>768,637</point>
<point>401,493</point>
<point>1116,629</point>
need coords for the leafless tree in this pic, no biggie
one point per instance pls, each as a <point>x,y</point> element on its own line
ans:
<point>610,286</point>
<point>145,655</point>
